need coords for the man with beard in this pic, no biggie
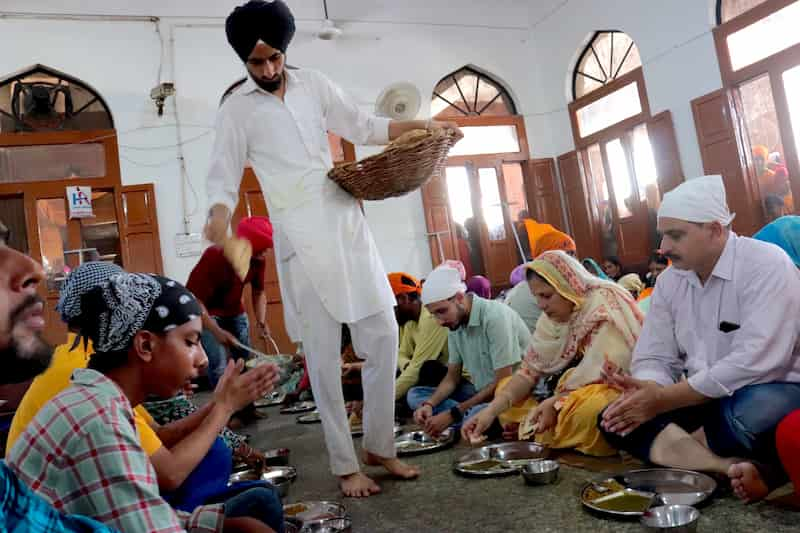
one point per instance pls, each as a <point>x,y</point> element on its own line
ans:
<point>422,339</point>
<point>487,338</point>
<point>25,354</point>
<point>716,367</point>
<point>328,265</point>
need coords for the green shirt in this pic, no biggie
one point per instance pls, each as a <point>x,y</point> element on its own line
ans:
<point>495,337</point>
<point>421,341</point>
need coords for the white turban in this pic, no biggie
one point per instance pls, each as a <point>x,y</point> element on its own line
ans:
<point>697,200</point>
<point>443,283</point>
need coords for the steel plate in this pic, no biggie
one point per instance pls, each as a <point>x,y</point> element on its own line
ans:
<point>498,459</point>
<point>417,442</point>
<point>299,407</point>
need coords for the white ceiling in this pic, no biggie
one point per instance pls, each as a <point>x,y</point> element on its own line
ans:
<point>497,13</point>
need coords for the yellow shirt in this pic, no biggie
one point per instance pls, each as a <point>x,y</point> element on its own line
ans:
<point>54,380</point>
<point>421,341</point>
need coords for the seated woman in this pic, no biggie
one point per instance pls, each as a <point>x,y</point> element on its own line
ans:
<point>588,325</point>
<point>81,452</point>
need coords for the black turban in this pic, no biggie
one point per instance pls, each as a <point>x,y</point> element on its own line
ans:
<point>271,22</point>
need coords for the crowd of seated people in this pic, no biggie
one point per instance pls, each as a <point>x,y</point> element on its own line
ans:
<point>708,378</point>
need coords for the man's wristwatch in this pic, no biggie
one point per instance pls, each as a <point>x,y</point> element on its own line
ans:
<point>456,414</point>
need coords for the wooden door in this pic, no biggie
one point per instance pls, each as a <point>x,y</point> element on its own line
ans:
<point>441,233</point>
<point>665,152</point>
<point>629,211</point>
<point>141,246</point>
<point>544,198</point>
<point>579,205</point>
<point>251,203</point>
<point>499,243</point>
<point>721,149</point>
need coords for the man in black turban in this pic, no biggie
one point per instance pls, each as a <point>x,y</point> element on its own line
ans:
<point>330,269</point>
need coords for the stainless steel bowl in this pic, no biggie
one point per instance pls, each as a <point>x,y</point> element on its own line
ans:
<point>328,525</point>
<point>281,477</point>
<point>671,519</point>
<point>541,472</point>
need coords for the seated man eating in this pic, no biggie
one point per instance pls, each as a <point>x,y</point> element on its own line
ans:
<point>725,316</point>
<point>487,338</point>
<point>422,339</point>
<point>81,452</point>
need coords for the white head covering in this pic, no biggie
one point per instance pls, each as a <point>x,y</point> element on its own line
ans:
<point>443,283</point>
<point>697,200</point>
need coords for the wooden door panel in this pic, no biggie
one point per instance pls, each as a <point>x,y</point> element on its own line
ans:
<point>252,203</point>
<point>665,152</point>
<point>578,205</point>
<point>139,238</point>
<point>437,220</point>
<point>548,206</point>
<point>720,152</point>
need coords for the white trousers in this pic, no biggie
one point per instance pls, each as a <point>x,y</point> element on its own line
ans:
<point>375,339</point>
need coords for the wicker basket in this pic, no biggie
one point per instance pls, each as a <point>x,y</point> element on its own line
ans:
<point>405,165</point>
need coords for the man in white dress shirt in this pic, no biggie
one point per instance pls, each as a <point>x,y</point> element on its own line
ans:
<point>329,268</point>
<point>725,317</point>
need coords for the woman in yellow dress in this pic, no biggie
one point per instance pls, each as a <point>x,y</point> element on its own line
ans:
<point>589,327</point>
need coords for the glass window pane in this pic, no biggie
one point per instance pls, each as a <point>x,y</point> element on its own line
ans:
<point>459,194</point>
<point>487,140</point>
<point>734,8</point>
<point>515,189</point>
<point>791,83</point>
<point>768,36</point>
<point>608,110</point>
<point>52,162</point>
<point>763,133</point>
<point>595,165</point>
<point>610,55</point>
<point>100,234</point>
<point>618,165</point>
<point>51,217</point>
<point>644,166</point>
<point>491,204</point>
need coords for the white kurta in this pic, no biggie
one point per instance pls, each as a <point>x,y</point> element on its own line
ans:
<point>328,265</point>
<point>287,145</point>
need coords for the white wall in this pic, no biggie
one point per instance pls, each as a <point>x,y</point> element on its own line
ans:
<point>679,63</point>
<point>120,59</point>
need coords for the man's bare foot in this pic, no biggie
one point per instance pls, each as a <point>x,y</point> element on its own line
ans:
<point>357,485</point>
<point>393,465</point>
<point>747,482</point>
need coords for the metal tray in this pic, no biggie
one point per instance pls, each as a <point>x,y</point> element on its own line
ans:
<point>273,398</point>
<point>299,407</point>
<point>667,485</point>
<point>311,511</point>
<point>417,442</point>
<point>358,431</point>
<point>310,418</point>
<point>508,458</point>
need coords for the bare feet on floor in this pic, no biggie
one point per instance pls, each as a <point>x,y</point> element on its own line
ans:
<point>393,465</point>
<point>357,485</point>
<point>747,483</point>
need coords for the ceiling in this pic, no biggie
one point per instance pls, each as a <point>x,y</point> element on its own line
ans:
<point>519,14</point>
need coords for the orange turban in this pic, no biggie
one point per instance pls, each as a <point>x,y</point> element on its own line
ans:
<point>761,151</point>
<point>553,240</point>
<point>403,283</point>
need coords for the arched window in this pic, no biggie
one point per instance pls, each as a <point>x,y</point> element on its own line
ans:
<point>609,55</point>
<point>40,98</point>
<point>728,9</point>
<point>467,92</point>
